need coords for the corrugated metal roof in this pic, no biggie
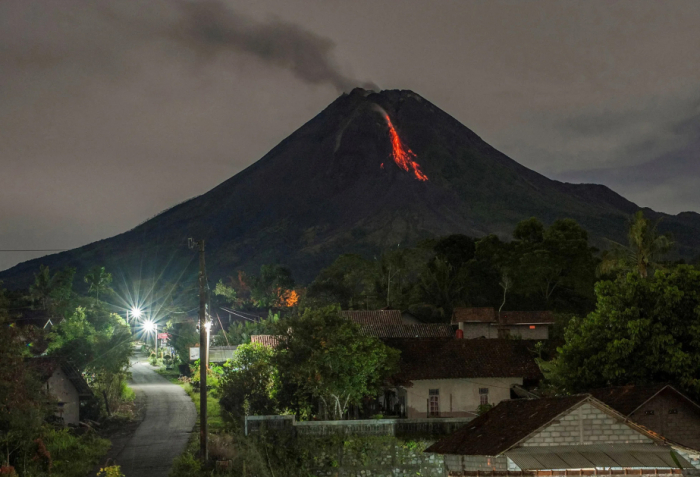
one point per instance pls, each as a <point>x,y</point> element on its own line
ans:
<point>592,456</point>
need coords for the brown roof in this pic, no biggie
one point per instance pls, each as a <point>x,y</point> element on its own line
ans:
<point>373,317</point>
<point>449,358</point>
<point>489,315</point>
<point>627,399</point>
<point>408,331</point>
<point>266,340</point>
<point>504,426</point>
<point>483,315</point>
<point>46,366</point>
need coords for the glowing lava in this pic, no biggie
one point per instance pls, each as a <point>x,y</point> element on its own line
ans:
<point>403,156</point>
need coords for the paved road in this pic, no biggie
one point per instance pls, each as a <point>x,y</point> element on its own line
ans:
<point>168,420</point>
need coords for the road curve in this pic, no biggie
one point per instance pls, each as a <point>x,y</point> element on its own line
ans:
<point>168,420</point>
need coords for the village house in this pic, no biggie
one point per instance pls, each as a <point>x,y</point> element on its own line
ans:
<point>452,378</point>
<point>658,407</point>
<point>384,324</point>
<point>64,384</point>
<point>483,323</point>
<point>574,435</point>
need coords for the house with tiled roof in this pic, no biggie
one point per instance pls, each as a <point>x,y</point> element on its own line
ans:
<point>418,330</point>
<point>484,323</point>
<point>384,324</point>
<point>658,407</point>
<point>573,435</point>
<point>447,377</point>
<point>64,384</point>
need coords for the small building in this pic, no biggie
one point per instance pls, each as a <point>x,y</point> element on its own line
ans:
<point>374,317</point>
<point>658,407</point>
<point>447,377</point>
<point>573,435</point>
<point>483,323</point>
<point>64,384</point>
<point>422,330</point>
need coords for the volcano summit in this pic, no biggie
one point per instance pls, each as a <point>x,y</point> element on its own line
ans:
<point>371,171</point>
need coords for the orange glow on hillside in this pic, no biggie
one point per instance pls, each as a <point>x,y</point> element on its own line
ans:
<point>403,156</point>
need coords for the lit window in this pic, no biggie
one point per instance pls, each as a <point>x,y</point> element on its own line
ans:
<point>532,327</point>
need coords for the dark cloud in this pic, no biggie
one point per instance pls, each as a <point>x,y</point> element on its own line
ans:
<point>210,28</point>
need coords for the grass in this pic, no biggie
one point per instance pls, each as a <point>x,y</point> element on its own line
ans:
<point>171,375</point>
<point>74,456</point>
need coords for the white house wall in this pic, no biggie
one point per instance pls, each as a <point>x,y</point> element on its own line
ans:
<point>587,424</point>
<point>60,387</point>
<point>458,397</point>
<point>487,330</point>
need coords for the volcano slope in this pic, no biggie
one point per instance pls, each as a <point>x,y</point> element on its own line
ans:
<point>371,171</point>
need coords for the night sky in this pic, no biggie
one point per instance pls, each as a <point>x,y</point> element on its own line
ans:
<point>112,111</point>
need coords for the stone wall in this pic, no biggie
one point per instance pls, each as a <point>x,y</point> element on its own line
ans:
<point>586,424</point>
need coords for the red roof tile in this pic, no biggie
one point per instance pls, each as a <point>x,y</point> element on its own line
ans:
<point>373,317</point>
<point>627,399</point>
<point>489,315</point>
<point>449,358</point>
<point>408,330</point>
<point>504,426</point>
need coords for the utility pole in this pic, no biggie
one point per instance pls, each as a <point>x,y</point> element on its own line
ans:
<point>203,352</point>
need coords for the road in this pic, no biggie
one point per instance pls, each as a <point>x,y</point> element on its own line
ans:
<point>169,416</point>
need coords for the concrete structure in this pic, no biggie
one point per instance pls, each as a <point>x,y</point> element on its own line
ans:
<point>64,384</point>
<point>483,323</point>
<point>569,434</point>
<point>452,377</point>
<point>217,354</point>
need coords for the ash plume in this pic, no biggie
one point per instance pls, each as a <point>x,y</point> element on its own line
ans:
<point>210,27</point>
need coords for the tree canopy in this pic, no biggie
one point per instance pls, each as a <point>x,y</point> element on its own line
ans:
<point>642,331</point>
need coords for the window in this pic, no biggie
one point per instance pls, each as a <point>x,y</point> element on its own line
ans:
<point>648,413</point>
<point>532,327</point>
<point>673,411</point>
<point>434,402</point>
<point>504,333</point>
<point>483,396</point>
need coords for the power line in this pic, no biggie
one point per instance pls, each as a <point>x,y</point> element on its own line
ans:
<point>36,250</point>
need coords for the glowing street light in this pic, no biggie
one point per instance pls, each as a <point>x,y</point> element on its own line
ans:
<point>152,326</point>
<point>135,312</point>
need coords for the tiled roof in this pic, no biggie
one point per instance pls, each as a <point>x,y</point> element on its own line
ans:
<point>626,399</point>
<point>527,317</point>
<point>484,315</point>
<point>408,331</point>
<point>46,366</point>
<point>504,426</point>
<point>449,358</point>
<point>489,315</point>
<point>373,317</point>
<point>266,340</point>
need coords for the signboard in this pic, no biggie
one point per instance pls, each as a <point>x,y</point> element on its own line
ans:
<point>194,354</point>
<point>162,336</point>
<point>217,354</point>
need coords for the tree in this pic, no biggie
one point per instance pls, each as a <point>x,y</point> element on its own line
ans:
<point>348,281</point>
<point>98,280</point>
<point>323,356</point>
<point>642,331</point>
<point>182,336</point>
<point>52,292</point>
<point>250,382</point>
<point>643,252</point>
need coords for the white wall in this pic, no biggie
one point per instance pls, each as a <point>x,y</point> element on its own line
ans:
<point>458,397</point>
<point>60,387</point>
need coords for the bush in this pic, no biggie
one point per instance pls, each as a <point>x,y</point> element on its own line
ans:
<point>71,455</point>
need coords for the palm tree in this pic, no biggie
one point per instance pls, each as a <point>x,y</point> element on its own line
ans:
<point>99,281</point>
<point>646,246</point>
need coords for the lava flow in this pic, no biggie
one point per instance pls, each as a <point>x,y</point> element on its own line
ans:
<point>403,156</point>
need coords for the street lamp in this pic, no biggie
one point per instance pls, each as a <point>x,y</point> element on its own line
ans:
<point>151,326</point>
<point>135,313</point>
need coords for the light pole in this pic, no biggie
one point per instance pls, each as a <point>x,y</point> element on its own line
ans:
<point>151,326</point>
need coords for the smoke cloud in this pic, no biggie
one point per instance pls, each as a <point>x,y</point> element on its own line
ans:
<point>210,27</point>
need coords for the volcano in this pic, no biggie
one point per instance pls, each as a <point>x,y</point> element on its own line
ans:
<point>370,172</point>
